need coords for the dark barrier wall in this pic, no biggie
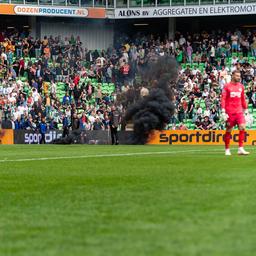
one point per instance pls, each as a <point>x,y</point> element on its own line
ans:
<point>103,137</point>
<point>85,137</point>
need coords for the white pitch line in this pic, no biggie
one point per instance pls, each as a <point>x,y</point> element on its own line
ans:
<point>105,155</point>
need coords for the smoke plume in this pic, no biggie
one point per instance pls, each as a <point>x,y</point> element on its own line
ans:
<point>73,138</point>
<point>155,110</point>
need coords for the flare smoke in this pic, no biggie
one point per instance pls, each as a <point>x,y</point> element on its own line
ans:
<point>154,111</point>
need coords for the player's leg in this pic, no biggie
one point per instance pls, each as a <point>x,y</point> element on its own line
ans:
<point>227,138</point>
<point>241,128</point>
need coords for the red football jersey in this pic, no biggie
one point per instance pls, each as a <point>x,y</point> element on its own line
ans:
<point>233,98</point>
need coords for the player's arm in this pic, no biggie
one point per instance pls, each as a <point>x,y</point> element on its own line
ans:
<point>243,100</point>
<point>224,94</point>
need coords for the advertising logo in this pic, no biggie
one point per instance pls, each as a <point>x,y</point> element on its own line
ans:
<point>50,11</point>
<point>213,137</point>
<point>34,138</point>
<point>197,137</point>
<point>186,11</point>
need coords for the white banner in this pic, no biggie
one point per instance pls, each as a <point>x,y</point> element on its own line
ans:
<point>50,11</point>
<point>185,11</point>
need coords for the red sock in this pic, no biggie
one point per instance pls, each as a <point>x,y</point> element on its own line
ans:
<point>241,138</point>
<point>227,138</point>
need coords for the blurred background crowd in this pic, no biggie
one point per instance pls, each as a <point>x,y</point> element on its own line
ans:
<point>60,82</point>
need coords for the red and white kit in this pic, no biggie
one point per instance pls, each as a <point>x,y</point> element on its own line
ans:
<point>234,103</point>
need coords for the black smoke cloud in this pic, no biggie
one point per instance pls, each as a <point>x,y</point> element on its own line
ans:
<point>154,111</point>
<point>73,138</point>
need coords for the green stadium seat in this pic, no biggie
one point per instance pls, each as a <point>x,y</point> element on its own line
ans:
<point>178,2</point>
<point>192,127</point>
<point>23,79</point>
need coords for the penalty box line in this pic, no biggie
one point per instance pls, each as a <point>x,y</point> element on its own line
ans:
<point>107,155</point>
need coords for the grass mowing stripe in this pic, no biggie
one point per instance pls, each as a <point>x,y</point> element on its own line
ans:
<point>105,155</point>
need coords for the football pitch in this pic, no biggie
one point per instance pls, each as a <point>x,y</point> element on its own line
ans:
<point>82,200</point>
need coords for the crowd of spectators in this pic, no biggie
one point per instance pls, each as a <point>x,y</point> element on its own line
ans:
<point>31,71</point>
<point>209,61</point>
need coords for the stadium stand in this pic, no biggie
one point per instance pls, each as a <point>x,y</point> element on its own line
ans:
<point>58,78</point>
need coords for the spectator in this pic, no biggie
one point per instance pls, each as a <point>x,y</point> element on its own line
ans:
<point>97,124</point>
<point>183,127</point>
<point>75,124</point>
<point>207,124</point>
<point>65,126</point>
<point>66,99</point>
<point>42,130</point>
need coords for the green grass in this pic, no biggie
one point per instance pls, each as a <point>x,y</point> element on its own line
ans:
<point>187,201</point>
